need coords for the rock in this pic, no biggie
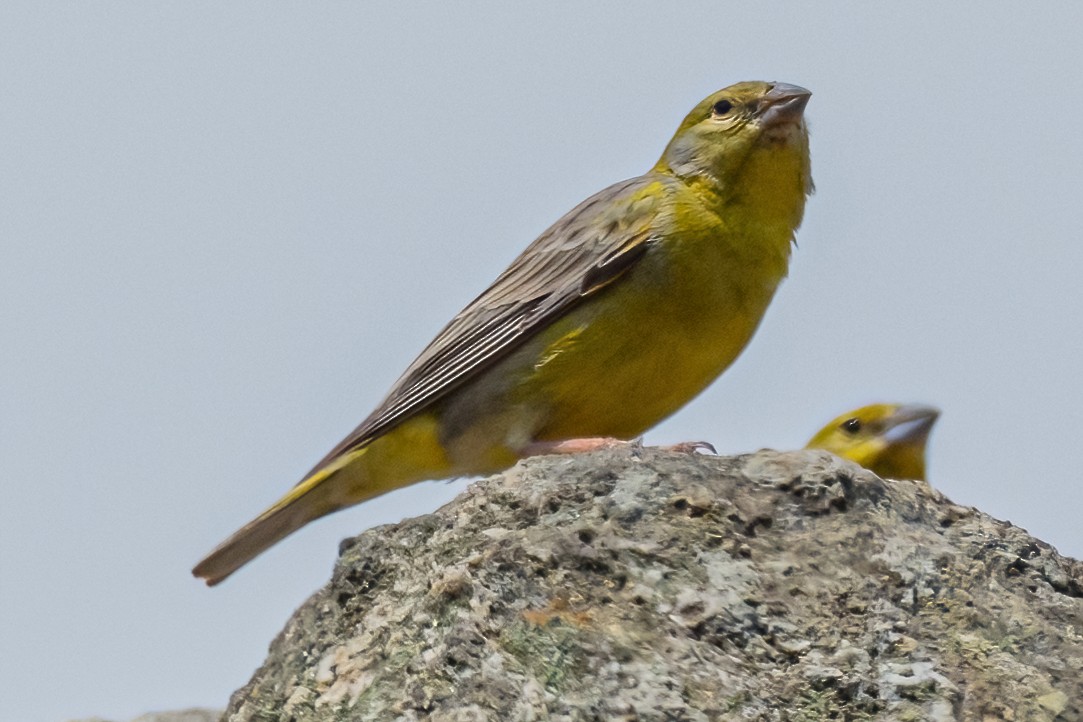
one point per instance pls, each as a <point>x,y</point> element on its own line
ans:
<point>636,584</point>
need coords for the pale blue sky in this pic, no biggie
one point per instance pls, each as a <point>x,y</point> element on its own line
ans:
<point>227,230</point>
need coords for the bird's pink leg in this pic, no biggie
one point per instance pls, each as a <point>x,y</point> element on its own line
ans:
<point>575,446</point>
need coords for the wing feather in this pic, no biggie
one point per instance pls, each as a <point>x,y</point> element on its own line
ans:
<point>584,251</point>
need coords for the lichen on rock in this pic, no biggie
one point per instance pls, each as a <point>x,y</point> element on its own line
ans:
<point>639,584</point>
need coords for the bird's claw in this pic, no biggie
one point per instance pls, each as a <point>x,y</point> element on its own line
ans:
<point>691,447</point>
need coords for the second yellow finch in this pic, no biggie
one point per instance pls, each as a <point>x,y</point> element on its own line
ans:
<point>887,439</point>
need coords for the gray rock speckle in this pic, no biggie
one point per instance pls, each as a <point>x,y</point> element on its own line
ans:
<point>636,584</point>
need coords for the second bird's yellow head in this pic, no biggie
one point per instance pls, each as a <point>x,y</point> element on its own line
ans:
<point>887,439</point>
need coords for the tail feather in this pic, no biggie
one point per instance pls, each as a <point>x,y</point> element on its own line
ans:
<point>408,454</point>
<point>309,500</point>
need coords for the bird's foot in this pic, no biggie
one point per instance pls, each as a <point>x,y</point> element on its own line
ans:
<point>690,447</point>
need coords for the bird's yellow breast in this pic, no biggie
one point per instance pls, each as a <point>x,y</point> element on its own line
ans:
<point>639,350</point>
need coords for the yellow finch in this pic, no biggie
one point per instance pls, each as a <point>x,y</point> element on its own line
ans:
<point>614,318</point>
<point>887,439</point>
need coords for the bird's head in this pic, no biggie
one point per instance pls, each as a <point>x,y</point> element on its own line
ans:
<point>744,136</point>
<point>887,439</point>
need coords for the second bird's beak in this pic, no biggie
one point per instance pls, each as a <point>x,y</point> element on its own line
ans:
<point>910,424</point>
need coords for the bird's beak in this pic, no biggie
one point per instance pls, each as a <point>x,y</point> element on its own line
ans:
<point>783,103</point>
<point>911,424</point>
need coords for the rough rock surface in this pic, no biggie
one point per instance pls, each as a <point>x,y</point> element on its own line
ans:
<point>636,584</point>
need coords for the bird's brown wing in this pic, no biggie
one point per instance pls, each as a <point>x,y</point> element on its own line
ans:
<point>584,251</point>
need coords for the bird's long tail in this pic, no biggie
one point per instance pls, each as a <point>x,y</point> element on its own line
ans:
<point>408,454</point>
<point>312,498</point>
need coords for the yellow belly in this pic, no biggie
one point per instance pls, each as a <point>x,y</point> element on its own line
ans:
<point>639,353</point>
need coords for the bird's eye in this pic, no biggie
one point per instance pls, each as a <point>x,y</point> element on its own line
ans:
<point>722,107</point>
<point>851,426</point>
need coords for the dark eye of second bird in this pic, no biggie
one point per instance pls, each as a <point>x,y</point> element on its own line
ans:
<point>851,426</point>
<point>722,107</point>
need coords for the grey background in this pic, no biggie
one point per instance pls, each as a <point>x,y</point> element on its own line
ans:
<point>226,230</point>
